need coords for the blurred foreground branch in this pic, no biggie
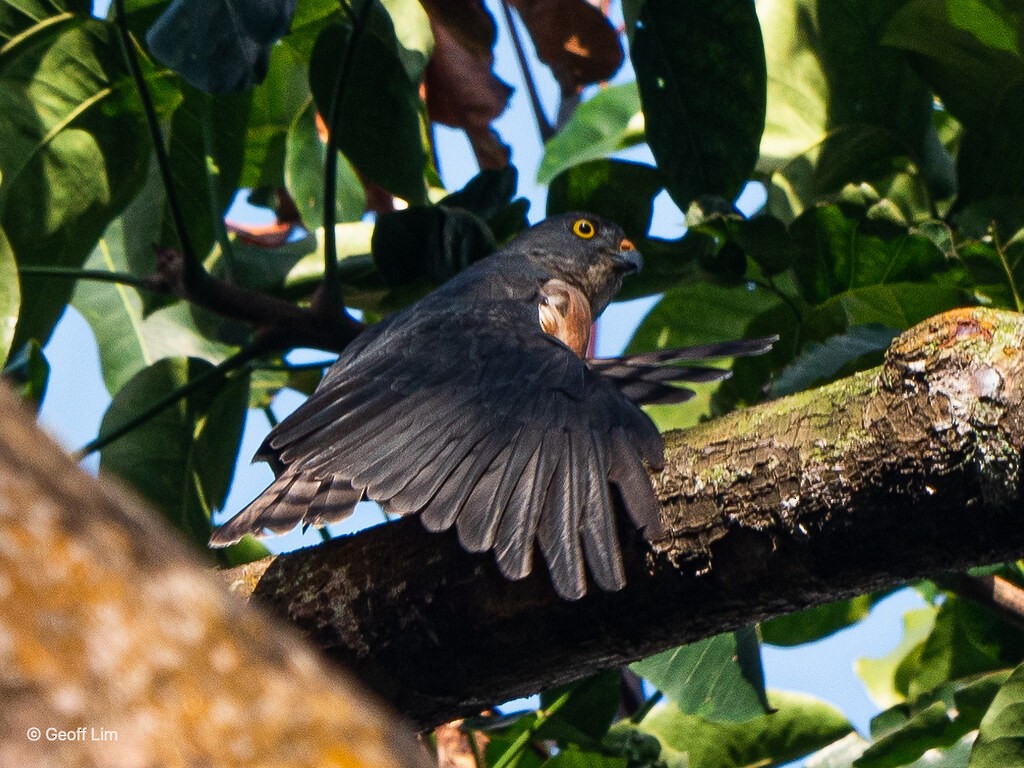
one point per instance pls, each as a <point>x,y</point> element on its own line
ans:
<point>115,636</point>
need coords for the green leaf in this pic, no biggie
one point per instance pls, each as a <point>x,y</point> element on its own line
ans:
<point>72,154</point>
<point>881,677</point>
<point>206,147</point>
<point>937,720</point>
<point>17,16</point>
<point>860,347</point>
<point>602,125</point>
<point>801,725</point>
<point>1001,735</point>
<point>275,103</point>
<point>701,72</point>
<point>719,678</point>
<point>28,371</point>
<point>839,754</point>
<point>304,173</point>
<point>220,47</point>
<point>413,35</point>
<point>815,623</point>
<point>182,460</point>
<point>10,296</point>
<point>128,340</point>
<point>895,305</point>
<point>378,108</point>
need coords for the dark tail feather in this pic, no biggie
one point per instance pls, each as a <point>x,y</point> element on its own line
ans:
<point>291,499</point>
<point>646,378</point>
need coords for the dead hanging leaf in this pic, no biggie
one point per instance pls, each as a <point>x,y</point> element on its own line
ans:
<point>462,90</point>
<point>457,748</point>
<point>575,39</point>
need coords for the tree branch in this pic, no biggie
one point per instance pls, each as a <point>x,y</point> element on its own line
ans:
<point>905,471</point>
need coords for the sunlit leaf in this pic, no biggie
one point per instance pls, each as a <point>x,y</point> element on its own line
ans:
<point>128,340</point>
<point>10,296</point>
<point>28,371</point>
<point>880,675</point>
<point>71,156</point>
<point>304,173</point>
<point>606,123</point>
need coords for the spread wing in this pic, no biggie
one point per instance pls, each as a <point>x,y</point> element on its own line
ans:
<point>472,417</point>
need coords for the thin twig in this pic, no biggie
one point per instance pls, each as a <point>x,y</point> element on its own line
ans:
<point>543,126</point>
<point>511,755</point>
<point>193,266</point>
<point>96,275</point>
<point>208,376</point>
<point>330,300</point>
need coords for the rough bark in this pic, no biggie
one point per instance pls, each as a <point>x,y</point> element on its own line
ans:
<point>909,470</point>
<point>118,648</point>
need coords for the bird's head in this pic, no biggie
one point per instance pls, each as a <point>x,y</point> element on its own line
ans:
<point>584,250</point>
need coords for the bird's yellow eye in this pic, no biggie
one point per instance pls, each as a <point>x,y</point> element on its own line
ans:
<point>583,228</point>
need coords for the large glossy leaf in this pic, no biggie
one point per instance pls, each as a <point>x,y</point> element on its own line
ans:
<point>74,151</point>
<point>128,340</point>
<point>896,305</point>
<point>1001,736</point>
<point>378,107</point>
<point>587,713</point>
<point>10,296</point>
<point>181,460</point>
<point>16,16</point>
<point>304,173</point>
<point>801,725</point>
<point>605,124</point>
<point>701,72</point>
<point>719,678</point>
<point>966,640</point>
<point>219,46</point>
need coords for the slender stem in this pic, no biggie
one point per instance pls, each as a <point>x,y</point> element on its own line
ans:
<point>272,419</point>
<point>1004,597</point>
<point>511,754</point>
<point>97,275</point>
<point>194,269</point>
<point>648,705</point>
<point>546,131</point>
<point>293,366</point>
<point>331,287</point>
<point>208,376</point>
<point>324,533</point>
<point>1006,268</point>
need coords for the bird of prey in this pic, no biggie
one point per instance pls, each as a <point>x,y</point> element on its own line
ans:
<point>476,408</point>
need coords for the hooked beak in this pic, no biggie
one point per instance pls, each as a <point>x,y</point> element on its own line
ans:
<point>628,258</point>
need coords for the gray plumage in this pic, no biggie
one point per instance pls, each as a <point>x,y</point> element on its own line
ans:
<point>462,409</point>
